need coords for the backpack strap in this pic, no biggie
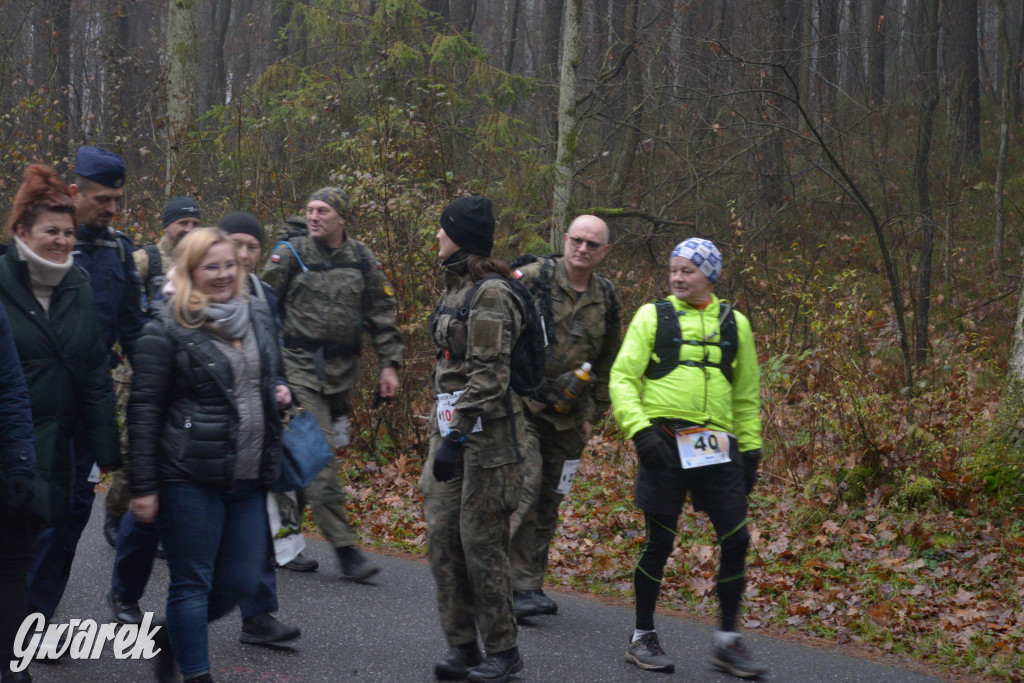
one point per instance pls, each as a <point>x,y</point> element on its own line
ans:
<point>364,264</point>
<point>668,340</point>
<point>154,269</point>
<point>257,287</point>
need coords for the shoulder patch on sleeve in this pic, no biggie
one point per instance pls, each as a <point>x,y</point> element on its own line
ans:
<point>486,333</point>
<point>276,258</point>
<point>488,299</point>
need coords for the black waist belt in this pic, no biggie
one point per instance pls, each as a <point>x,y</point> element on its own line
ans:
<point>329,350</point>
<point>673,424</point>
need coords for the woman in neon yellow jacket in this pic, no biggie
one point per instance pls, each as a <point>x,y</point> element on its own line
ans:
<point>686,388</point>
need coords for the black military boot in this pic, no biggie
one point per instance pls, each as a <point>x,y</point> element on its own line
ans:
<point>124,612</point>
<point>497,668</point>
<point>110,527</point>
<point>354,565</point>
<point>454,666</point>
<point>164,667</point>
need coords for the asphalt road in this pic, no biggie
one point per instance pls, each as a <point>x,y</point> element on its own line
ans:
<point>389,631</point>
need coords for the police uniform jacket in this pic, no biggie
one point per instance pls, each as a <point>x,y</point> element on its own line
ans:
<point>107,256</point>
<point>701,395</point>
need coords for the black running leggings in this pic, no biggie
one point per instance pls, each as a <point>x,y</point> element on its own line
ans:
<point>733,537</point>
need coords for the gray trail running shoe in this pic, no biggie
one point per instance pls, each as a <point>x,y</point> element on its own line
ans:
<point>647,654</point>
<point>737,660</point>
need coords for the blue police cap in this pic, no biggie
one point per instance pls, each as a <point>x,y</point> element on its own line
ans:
<point>100,165</point>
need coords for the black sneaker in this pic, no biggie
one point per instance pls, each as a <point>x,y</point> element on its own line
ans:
<point>497,668</point>
<point>736,660</point>
<point>110,526</point>
<point>455,664</point>
<point>647,654</point>
<point>354,565</point>
<point>301,563</point>
<point>264,629</point>
<point>124,612</point>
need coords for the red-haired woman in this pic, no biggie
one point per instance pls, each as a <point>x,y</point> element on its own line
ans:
<point>59,343</point>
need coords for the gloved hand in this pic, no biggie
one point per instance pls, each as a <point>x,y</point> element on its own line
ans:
<point>751,459</point>
<point>445,458</point>
<point>20,493</point>
<point>653,450</point>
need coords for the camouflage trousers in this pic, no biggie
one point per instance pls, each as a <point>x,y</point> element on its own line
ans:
<point>119,496</point>
<point>536,517</point>
<point>468,529</point>
<point>325,494</point>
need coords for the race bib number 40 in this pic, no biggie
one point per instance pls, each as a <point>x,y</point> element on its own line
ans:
<point>445,411</point>
<point>699,447</point>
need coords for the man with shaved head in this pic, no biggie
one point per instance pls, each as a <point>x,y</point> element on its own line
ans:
<point>581,316</point>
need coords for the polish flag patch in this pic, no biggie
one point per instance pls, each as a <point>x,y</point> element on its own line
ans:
<point>276,258</point>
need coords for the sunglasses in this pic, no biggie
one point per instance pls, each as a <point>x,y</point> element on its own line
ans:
<point>578,242</point>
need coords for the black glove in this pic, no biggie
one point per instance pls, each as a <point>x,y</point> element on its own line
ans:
<point>653,449</point>
<point>445,457</point>
<point>20,493</point>
<point>751,459</point>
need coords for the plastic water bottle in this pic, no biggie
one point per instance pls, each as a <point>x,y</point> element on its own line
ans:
<point>572,390</point>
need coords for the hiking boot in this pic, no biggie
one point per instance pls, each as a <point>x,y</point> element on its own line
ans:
<point>455,664</point>
<point>523,604</point>
<point>264,629</point>
<point>301,563</point>
<point>736,660</point>
<point>354,565</point>
<point>163,664</point>
<point>532,603</point>
<point>110,526</point>
<point>497,668</point>
<point>124,612</point>
<point>647,654</point>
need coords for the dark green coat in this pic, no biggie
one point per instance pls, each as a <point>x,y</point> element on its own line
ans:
<point>67,370</point>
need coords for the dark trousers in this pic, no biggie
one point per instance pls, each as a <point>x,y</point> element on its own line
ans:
<point>55,546</point>
<point>15,556</point>
<point>136,549</point>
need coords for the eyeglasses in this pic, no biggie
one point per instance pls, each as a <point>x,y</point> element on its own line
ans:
<point>579,242</point>
<point>214,268</point>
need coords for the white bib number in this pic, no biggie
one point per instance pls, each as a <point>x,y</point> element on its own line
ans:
<point>699,447</point>
<point>569,468</point>
<point>445,411</point>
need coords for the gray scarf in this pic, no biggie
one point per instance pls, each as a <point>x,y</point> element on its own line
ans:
<point>230,319</point>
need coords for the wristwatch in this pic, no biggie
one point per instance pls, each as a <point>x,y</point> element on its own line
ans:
<point>455,436</point>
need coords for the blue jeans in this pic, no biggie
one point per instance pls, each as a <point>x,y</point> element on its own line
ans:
<point>136,550</point>
<point>216,546</point>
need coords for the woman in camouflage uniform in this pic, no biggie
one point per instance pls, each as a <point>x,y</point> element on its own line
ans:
<point>471,479</point>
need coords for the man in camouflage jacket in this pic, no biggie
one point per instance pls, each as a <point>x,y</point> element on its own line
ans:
<point>583,327</point>
<point>330,288</point>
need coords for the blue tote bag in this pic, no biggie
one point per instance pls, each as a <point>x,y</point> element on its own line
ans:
<point>306,452</point>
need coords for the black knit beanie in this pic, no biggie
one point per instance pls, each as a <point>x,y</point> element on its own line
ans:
<point>180,207</point>
<point>244,222</point>
<point>469,222</point>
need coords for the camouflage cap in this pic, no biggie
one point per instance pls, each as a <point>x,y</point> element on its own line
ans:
<point>334,197</point>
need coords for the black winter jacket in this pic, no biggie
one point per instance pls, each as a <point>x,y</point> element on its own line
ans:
<point>67,369</point>
<point>183,416</point>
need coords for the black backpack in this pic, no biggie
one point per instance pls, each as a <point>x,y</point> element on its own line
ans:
<point>529,354</point>
<point>668,340</point>
<point>540,288</point>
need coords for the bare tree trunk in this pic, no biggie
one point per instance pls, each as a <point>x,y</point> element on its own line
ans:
<point>182,76</point>
<point>513,35</point>
<point>463,12</point>
<point>876,52</point>
<point>1015,88</point>
<point>927,102</point>
<point>962,64</point>
<point>212,65</point>
<point>634,105</point>
<point>547,70</point>
<point>1004,135</point>
<point>567,120</point>
<point>829,56</point>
